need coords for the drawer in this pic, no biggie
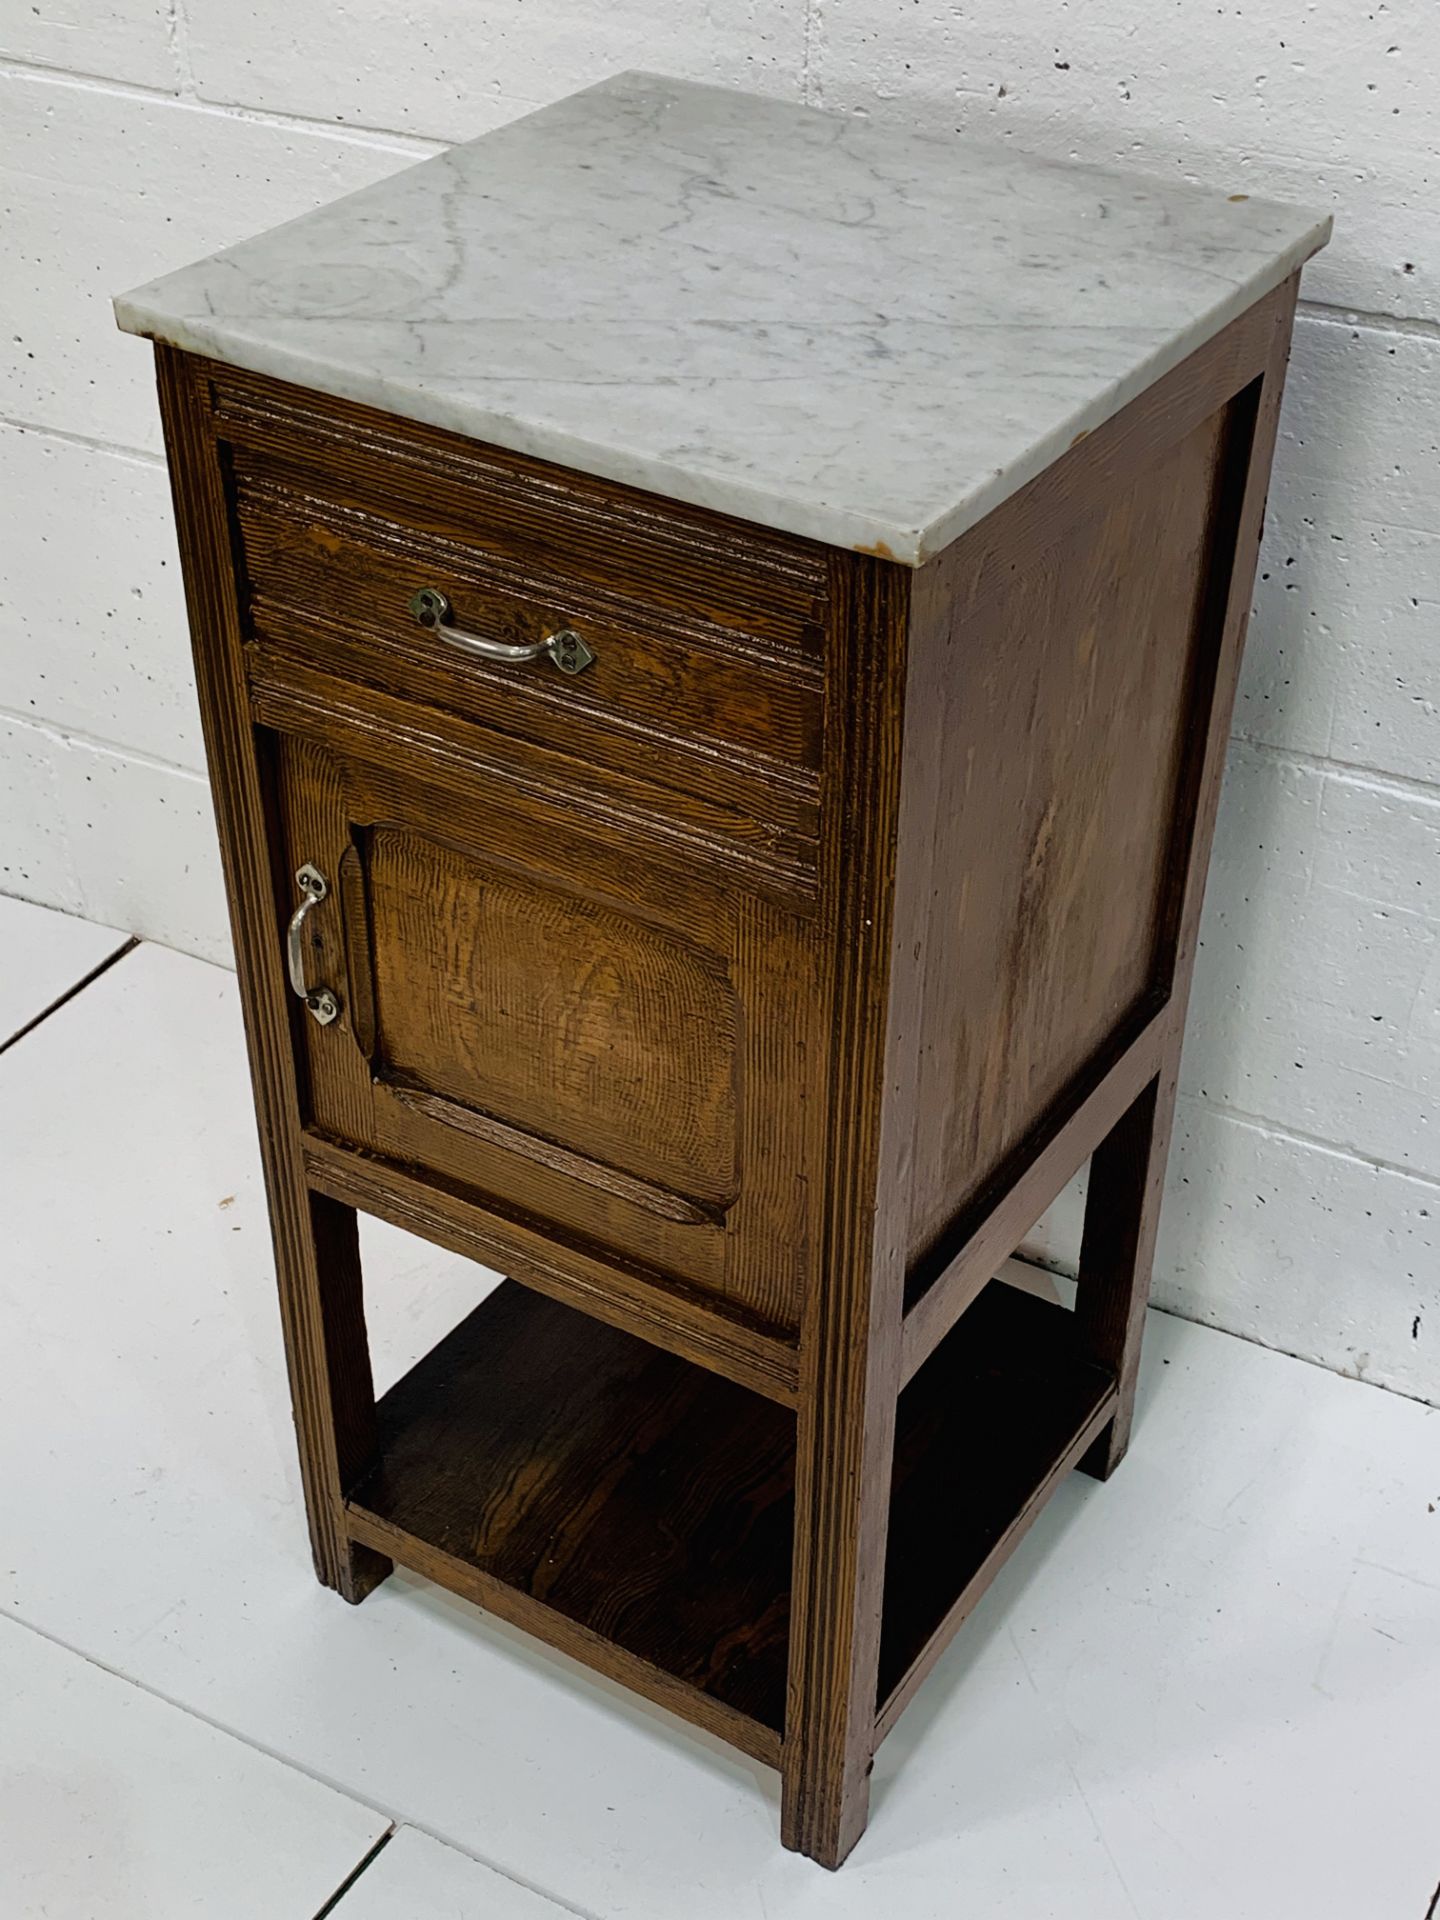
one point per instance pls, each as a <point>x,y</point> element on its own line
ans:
<point>707,662</point>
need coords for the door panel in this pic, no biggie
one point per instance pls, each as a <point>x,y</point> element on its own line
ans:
<point>552,1014</point>
<point>636,1088</point>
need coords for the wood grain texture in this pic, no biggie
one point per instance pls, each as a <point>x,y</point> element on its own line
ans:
<point>719,1339</point>
<point>554,1014</point>
<point>664,1202</point>
<point>850,1341</point>
<point>1013,1201</point>
<point>618,1486</point>
<point>539,524</point>
<point>1059,660</point>
<point>418,745</point>
<point>317,1262</point>
<point>1065,727</point>
<point>336,583</point>
<point>642,1091</point>
<point>1122,1212</point>
<point>571,1637</point>
<point>637,1513</point>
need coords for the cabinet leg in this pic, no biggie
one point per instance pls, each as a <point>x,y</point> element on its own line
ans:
<point>824,1817</point>
<point>843,1489</point>
<point>1122,1212</point>
<point>317,1253</point>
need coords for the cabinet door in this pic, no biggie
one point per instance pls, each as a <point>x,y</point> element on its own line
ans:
<point>585,1033</point>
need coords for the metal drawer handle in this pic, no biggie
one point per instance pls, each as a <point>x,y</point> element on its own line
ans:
<point>565,647</point>
<point>321,1001</point>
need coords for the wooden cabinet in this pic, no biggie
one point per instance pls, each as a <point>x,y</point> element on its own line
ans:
<point>736,932</point>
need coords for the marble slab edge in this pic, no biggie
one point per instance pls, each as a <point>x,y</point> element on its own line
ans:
<point>830,526</point>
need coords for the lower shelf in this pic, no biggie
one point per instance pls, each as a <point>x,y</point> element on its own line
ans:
<point>639,1499</point>
<point>637,1511</point>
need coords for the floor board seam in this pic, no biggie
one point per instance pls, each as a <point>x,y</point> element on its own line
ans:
<point>61,1000</point>
<point>362,1865</point>
<point>396,1820</point>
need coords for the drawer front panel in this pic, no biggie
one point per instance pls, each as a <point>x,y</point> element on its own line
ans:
<point>623,1068</point>
<point>337,585</point>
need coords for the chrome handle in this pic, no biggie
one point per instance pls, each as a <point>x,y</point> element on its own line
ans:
<point>321,1001</point>
<point>565,647</point>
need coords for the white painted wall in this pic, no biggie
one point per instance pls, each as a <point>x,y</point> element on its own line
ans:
<point>138,134</point>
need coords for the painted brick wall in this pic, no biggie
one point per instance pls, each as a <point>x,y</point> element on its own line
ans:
<point>137,134</point>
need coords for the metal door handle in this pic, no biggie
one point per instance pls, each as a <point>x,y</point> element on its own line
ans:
<point>564,646</point>
<point>321,1001</point>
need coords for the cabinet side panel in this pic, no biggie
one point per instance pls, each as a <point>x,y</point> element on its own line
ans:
<point>1077,665</point>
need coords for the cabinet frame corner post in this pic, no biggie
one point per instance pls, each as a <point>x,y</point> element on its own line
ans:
<point>315,1239</point>
<point>851,1335</point>
<point>1127,1171</point>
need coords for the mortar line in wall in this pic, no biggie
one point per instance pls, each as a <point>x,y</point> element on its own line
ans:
<point>117,749</point>
<point>1063,1270</point>
<point>810,90</point>
<point>1277,1130</point>
<point>177,35</point>
<point>416,146</point>
<point>186,93</point>
<point>1401,784</point>
<point>1331,315</point>
<point>1306,1359</point>
<point>91,442</point>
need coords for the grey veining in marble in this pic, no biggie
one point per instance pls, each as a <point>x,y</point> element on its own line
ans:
<point>858,335</point>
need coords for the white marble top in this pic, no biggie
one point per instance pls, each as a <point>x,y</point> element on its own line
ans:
<point>864,336</point>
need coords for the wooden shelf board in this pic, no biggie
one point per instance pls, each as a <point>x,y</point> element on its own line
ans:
<point>607,1495</point>
<point>636,1511</point>
<point>986,1430</point>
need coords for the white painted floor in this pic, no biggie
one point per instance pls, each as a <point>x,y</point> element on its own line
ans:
<point>1208,1691</point>
<point>114,1803</point>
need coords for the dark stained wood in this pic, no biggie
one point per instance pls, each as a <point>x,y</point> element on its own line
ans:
<point>1122,1211</point>
<point>746,1002</point>
<point>316,1258</point>
<point>1065,729</point>
<point>334,585</point>
<point>633,1082</point>
<point>621,1488</point>
<point>514,999</point>
<point>540,526</point>
<point>413,746</point>
<point>850,1340</point>
<point>679,1321</point>
<point>612,1499</point>
<point>581,1643</point>
<point>1010,1204</point>
<point>1057,660</point>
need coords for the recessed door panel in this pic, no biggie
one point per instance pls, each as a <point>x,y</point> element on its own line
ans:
<point>636,1088</point>
<point>554,1015</point>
